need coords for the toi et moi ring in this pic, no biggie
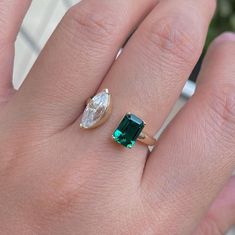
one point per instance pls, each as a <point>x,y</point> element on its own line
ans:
<point>129,130</point>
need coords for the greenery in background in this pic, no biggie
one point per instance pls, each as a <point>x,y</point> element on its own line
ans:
<point>224,19</point>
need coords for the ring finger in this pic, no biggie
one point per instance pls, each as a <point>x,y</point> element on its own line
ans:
<point>150,73</point>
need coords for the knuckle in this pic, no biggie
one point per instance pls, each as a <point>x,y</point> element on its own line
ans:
<point>175,36</point>
<point>222,110</point>
<point>89,23</point>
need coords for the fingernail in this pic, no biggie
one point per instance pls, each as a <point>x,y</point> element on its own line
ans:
<point>225,37</point>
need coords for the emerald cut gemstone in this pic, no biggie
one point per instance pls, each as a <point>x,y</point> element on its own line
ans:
<point>128,130</point>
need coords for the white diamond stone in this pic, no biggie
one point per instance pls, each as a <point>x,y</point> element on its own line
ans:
<point>95,109</point>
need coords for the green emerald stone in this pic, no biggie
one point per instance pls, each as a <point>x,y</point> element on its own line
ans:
<point>128,130</point>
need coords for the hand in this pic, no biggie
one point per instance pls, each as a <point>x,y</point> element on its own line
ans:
<point>56,178</point>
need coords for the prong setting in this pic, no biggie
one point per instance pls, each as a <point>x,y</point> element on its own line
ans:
<point>88,101</point>
<point>128,130</point>
<point>97,111</point>
<point>106,91</point>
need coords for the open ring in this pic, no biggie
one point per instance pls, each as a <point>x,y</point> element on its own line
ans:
<point>130,129</point>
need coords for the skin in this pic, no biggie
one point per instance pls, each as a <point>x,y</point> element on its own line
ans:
<point>56,178</point>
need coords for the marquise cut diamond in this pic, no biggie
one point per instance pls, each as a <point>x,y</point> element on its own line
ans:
<point>95,110</point>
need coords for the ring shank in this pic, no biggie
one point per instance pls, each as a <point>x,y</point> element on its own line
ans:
<point>147,139</point>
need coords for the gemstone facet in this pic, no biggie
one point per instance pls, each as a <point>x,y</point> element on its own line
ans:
<point>128,130</point>
<point>95,110</point>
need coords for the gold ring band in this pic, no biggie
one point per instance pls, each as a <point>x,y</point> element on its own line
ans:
<point>147,139</point>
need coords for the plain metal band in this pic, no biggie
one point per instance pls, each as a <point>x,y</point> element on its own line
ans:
<point>147,139</point>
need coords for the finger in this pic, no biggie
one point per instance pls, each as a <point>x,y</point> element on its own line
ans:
<point>221,215</point>
<point>77,57</point>
<point>155,63</point>
<point>196,155</point>
<point>11,16</point>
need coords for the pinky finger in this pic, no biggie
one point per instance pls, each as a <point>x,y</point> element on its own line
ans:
<point>195,156</point>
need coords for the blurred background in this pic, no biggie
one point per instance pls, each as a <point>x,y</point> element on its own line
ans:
<point>224,20</point>
<point>44,16</point>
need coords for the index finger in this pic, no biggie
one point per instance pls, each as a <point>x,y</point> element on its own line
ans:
<point>11,16</point>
